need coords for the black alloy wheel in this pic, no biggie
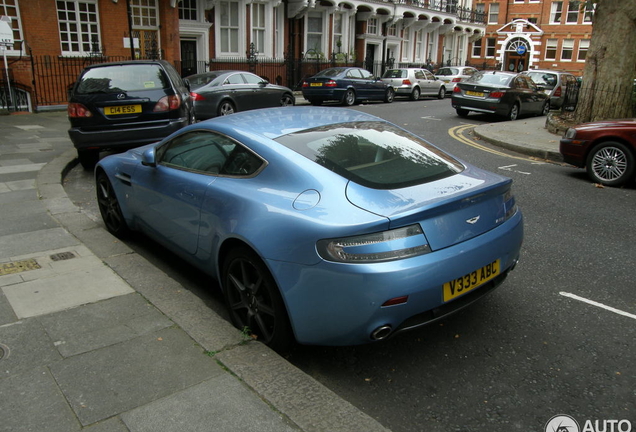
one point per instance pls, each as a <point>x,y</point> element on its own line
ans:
<point>88,158</point>
<point>253,299</point>
<point>514,112</point>
<point>611,164</point>
<point>390,95</point>
<point>226,108</point>
<point>109,207</point>
<point>287,100</point>
<point>349,98</point>
<point>462,112</point>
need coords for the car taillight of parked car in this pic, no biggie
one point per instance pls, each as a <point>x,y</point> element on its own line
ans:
<point>168,103</point>
<point>331,83</point>
<point>77,110</point>
<point>497,94</point>
<point>406,82</point>
<point>457,90</point>
<point>196,96</point>
<point>458,79</point>
<point>557,92</point>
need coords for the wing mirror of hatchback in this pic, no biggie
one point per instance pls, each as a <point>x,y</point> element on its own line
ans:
<point>148,158</point>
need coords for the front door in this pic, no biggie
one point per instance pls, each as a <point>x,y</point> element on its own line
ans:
<point>188,57</point>
<point>515,62</point>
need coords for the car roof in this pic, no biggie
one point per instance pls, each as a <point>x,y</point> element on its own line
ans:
<point>128,62</point>
<point>275,122</point>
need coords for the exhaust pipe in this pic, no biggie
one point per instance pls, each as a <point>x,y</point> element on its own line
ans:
<point>381,332</point>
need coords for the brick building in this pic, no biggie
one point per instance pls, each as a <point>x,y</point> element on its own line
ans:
<point>533,34</point>
<point>54,39</point>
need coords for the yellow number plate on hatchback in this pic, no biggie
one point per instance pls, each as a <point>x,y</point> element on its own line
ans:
<point>462,285</point>
<point>123,109</point>
<point>472,93</point>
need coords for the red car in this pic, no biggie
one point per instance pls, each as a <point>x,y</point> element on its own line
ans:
<point>607,150</point>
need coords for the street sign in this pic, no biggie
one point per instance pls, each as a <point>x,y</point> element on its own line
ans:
<point>6,32</point>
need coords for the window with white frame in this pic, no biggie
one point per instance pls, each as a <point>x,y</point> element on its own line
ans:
<point>10,8</point>
<point>493,15</point>
<point>476,48</point>
<point>491,47</point>
<point>229,18</point>
<point>573,13</point>
<point>406,45</point>
<point>567,48</point>
<point>556,10</point>
<point>314,45</point>
<point>584,45</point>
<point>188,10</point>
<point>551,49</point>
<point>338,30</point>
<point>258,27</point>
<point>79,29</point>
<point>372,26</point>
<point>588,14</point>
<point>419,44</point>
<point>391,30</point>
<point>279,28</point>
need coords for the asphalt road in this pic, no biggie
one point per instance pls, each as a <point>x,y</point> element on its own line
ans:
<point>544,343</point>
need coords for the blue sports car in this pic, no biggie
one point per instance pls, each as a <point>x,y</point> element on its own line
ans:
<point>325,226</point>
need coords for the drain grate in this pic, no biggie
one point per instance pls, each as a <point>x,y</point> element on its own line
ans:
<point>62,256</point>
<point>18,266</point>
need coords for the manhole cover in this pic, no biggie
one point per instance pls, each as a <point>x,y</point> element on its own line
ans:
<point>62,256</point>
<point>18,266</point>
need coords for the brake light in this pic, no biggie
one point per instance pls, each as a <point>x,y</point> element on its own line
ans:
<point>196,96</point>
<point>77,110</point>
<point>305,84</point>
<point>406,82</point>
<point>168,103</point>
<point>456,79</point>
<point>457,90</point>
<point>497,94</point>
<point>557,92</point>
<point>331,83</point>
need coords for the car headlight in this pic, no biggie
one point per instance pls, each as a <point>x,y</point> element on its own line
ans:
<point>570,133</point>
<point>383,246</point>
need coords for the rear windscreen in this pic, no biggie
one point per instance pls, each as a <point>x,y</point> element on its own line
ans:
<point>394,73</point>
<point>374,154</point>
<point>118,78</point>
<point>544,79</point>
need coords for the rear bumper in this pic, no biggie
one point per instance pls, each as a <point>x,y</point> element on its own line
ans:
<point>124,137</point>
<point>485,105</point>
<point>323,94</point>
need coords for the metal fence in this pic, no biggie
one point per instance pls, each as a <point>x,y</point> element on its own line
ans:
<point>610,96</point>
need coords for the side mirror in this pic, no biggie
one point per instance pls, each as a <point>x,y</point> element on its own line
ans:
<point>263,83</point>
<point>186,82</point>
<point>148,158</point>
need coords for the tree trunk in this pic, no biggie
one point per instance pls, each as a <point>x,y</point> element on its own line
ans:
<point>610,66</point>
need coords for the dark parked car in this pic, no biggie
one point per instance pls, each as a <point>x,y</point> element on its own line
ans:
<point>506,94</point>
<point>555,85</point>
<point>607,149</point>
<point>346,85</point>
<point>324,225</point>
<point>225,92</point>
<point>126,104</point>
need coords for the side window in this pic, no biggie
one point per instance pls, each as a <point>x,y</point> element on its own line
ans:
<point>209,153</point>
<point>469,72</point>
<point>234,79</point>
<point>521,83</point>
<point>420,74</point>
<point>354,74</point>
<point>428,75</point>
<point>365,74</point>
<point>252,79</point>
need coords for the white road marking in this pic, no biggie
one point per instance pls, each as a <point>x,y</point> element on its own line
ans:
<point>430,118</point>
<point>597,304</point>
<point>509,168</point>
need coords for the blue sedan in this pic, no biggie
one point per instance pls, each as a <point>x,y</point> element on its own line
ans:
<point>346,85</point>
<point>324,226</point>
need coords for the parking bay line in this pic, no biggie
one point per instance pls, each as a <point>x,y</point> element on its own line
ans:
<point>597,304</point>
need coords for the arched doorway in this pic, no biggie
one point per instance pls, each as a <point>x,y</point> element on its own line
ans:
<point>516,55</point>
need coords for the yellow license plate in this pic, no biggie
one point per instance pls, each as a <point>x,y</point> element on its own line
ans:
<point>316,84</point>
<point>462,285</point>
<point>472,93</point>
<point>123,109</point>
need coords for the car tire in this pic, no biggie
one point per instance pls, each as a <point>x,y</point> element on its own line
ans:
<point>546,109</point>
<point>109,207</point>
<point>88,158</point>
<point>192,118</point>
<point>390,95</point>
<point>442,93</point>
<point>462,112</point>
<point>315,102</point>
<point>415,94</point>
<point>226,107</point>
<point>287,100</point>
<point>349,98</point>
<point>513,114</point>
<point>611,163</point>
<point>254,300</point>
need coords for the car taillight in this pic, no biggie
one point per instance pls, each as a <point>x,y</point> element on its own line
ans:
<point>196,96</point>
<point>406,82</point>
<point>456,79</point>
<point>457,90</point>
<point>557,92</point>
<point>77,110</point>
<point>331,83</point>
<point>497,94</point>
<point>168,103</point>
<point>305,84</point>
